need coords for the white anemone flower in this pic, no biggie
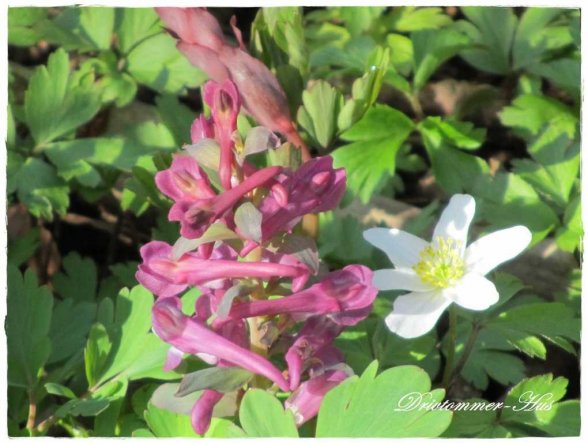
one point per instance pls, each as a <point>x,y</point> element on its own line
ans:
<point>443,271</point>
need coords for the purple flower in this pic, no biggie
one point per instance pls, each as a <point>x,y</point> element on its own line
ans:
<point>167,277</point>
<point>192,336</point>
<point>202,410</point>
<point>201,128</point>
<point>202,42</point>
<point>314,187</point>
<point>347,295</point>
<point>317,334</point>
<point>223,99</point>
<point>196,213</point>
<point>305,402</point>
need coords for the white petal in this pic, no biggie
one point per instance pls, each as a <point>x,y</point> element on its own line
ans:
<point>395,279</point>
<point>486,253</point>
<point>415,314</point>
<point>456,218</point>
<point>402,248</point>
<point>474,292</point>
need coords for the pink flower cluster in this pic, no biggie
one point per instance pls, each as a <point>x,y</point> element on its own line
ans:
<point>260,296</point>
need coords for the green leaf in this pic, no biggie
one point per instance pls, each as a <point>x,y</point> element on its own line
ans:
<point>23,247</point>
<point>56,101</point>
<point>564,72</point>
<point>168,424</point>
<point>86,407</point>
<point>82,28</point>
<point>176,116</point>
<point>22,29</point>
<point>262,415</point>
<point>70,325</point>
<point>97,349</point>
<point>371,157</point>
<point>410,18</point>
<point>219,379</point>
<point>548,415</point>
<point>531,38</point>
<point>492,31</point>
<point>455,171</point>
<point>431,49</point>
<point>134,26</point>
<point>569,235</point>
<point>318,115</point>
<point>248,221</point>
<point>40,189</point>
<point>28,320</point>
<point>357,408</point>
<point>155,62</point>
<point>60,390</point>
<point>78,280</point>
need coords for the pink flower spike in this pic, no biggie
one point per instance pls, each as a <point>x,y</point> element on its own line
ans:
<point>192,336</point>
<point>317,333</point>
<point>202,410</point>
<point>174,359</point>
<point>305,402</point>
<point>223,99</point>
<point>346,295</point>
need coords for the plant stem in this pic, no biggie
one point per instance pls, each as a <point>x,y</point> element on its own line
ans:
<point>32,413</point>
<point>469,347</point>
<point>450,347</point>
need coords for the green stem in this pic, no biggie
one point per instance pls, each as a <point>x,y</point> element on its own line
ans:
<point>469,347</point>
<point>450,346</point>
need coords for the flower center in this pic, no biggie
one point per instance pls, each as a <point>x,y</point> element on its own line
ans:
<point>441,263</point>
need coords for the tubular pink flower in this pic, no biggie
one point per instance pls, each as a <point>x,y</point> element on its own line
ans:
<point>316,334</point>
<point>184,180</point>
<point>192,336</point>
<point>202,42</point>
<point>305,402</point>
<point>201,128</point>
<point>314,187</point>
<point>196,215</point>
<point>223,99</point>
<point>159,270</point>
<point>202,410</point>
<point>342,294</point>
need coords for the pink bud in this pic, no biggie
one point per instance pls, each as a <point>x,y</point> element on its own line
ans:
<point>202,410</point>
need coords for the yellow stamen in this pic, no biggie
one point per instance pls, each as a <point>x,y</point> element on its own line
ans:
<point>441,263</point>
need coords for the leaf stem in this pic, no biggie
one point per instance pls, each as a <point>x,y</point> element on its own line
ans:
<point>32,413</point>
<point>452,333</point>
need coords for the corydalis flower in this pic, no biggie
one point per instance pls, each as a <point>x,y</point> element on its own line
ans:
<point>346,295</point>
<point>192,336</point>
<point>314,187</point>
<point>443,271</point>
<point>202,42</point>
<point>165,277</point>
<point>196,205</point>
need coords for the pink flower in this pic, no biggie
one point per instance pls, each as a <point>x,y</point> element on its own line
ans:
<point>314,187</point>
<point>201,128</point>
<point>167,277</point>
<point>196,208</point>
<point>223,99</point>
<point>305,402</point>
<point>346,295</point>
<point>192,336</point>
<point>202,410</point>
<point>201,41</point>
<point>317,334</point>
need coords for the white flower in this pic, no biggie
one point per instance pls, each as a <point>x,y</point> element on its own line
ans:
<point>443,271</point>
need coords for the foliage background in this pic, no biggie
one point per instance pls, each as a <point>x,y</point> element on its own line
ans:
<point>416,103</point>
